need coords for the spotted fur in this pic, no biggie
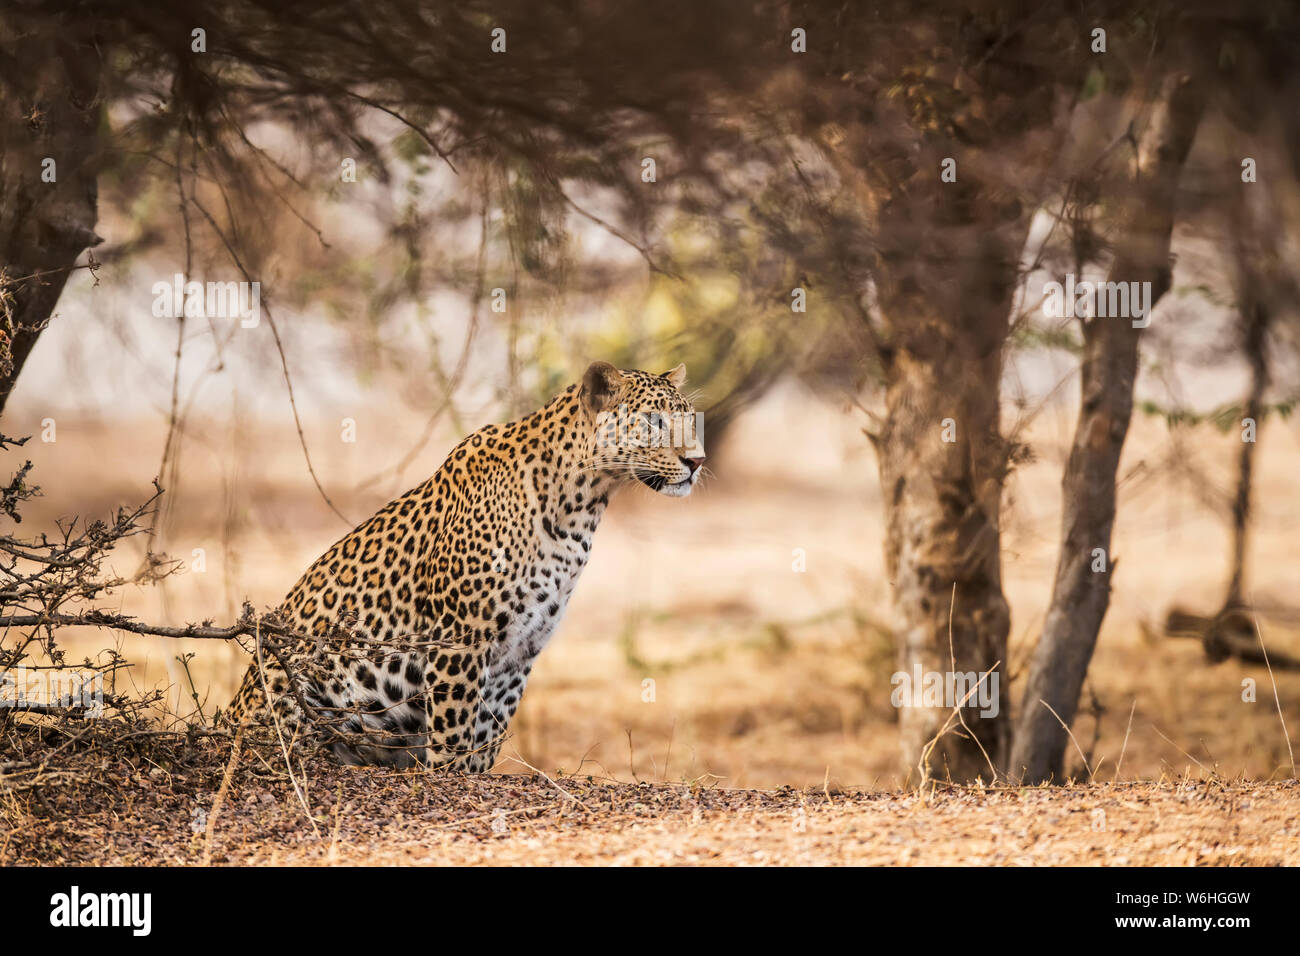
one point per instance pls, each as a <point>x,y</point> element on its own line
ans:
<point>427,618</point>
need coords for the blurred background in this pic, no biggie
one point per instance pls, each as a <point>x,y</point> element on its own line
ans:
<point>423,275</point>
<point>763,675</point>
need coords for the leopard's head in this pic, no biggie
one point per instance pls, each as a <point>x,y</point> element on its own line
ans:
<point>643,427</point>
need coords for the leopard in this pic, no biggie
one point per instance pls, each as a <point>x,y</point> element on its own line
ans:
<point>410,641</point>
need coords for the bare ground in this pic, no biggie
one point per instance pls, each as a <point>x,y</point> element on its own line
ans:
<point>162,801</point>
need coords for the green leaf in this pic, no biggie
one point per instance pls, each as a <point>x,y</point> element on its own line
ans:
<point>1093,84</point>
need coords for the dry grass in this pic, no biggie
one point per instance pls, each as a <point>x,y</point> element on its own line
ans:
<point>186,802</point>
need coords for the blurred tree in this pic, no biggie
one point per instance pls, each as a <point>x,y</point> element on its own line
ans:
<point>1197,45</point>
<point>50,77</point>
<point>180,96</point>
<point>1108,374</point>
<point>1254,221</point>
<point>944,128</point>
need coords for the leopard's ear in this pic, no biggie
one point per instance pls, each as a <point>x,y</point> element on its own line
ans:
<point>600,385</point>
<point>676,376</point>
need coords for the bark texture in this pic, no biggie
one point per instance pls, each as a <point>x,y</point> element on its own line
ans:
<point>49,110</point>
<point>1080,594</point>
<point>942,544</point>
<point>946,167</point>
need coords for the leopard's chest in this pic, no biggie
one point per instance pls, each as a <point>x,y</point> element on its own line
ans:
<point>537,607</point>
<point>538,597</point>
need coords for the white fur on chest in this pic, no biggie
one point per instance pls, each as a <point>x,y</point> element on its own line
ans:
<point>530,630</point>
<point>559,553</point>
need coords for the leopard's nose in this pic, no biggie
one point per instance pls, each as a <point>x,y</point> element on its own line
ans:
<point>693,464</point>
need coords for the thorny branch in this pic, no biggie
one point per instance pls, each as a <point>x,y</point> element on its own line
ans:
<point>49,583</point>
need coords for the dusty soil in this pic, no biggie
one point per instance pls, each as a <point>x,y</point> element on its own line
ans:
<point>162,801</point>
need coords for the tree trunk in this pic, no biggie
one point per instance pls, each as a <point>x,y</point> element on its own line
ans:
<point>941,470</point>
<point>1081,594</point>
<point>49,121</point>
<point>1254,331</point>
<point>946,179</point>
<point>945,274</point>
<point>1262,285</point>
